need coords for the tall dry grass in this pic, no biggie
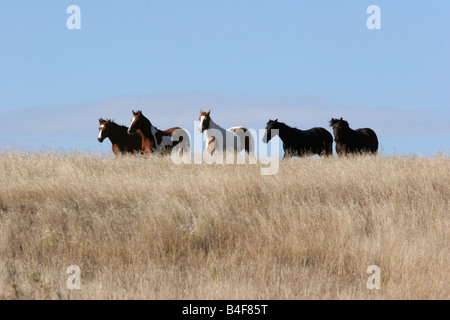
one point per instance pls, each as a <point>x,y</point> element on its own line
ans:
<point>145,228</point>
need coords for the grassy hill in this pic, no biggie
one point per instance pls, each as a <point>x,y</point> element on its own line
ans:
<point>146,228</point>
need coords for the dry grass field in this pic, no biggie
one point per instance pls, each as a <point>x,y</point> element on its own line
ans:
<point>145,228</point>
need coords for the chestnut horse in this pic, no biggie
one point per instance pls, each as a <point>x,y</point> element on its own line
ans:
<point>121,141</point>
<point>153,139</point>
<point>298,142</point>
<point>353,141</point>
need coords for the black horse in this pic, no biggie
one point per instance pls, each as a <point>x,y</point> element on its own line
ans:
<point>301,143</point>
<point>349,141</point>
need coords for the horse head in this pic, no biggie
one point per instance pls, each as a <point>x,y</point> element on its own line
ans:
<point>205,120</point>
<point>103,129</point>
<point>136,122</point>
<point>340,128</point>
<point>271,125</point>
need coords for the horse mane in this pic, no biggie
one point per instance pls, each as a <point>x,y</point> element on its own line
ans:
<point>119,125</point>
<point>284,125</point>
<point>111,121</point>
<point>289,127</point>
<point>333,121</point>
<point>146,119</point>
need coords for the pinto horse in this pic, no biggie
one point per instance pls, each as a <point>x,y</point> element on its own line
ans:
<point>121,141</point>
<point>298,142</point>
<point>153,139</point>
<point>234,139</point>
<point>353,141</point>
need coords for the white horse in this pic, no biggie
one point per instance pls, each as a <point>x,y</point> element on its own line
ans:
<point>218,139</point>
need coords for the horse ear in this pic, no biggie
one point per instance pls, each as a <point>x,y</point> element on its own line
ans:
<point>134,113</point>
<point>276,120</point>
<point>100,120</point>
<point>341,119</point>
<point>109,121</point>
<point>208,112</point>
<point>139,112</point>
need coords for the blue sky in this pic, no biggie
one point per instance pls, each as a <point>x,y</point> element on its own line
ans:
<point>302,62</point>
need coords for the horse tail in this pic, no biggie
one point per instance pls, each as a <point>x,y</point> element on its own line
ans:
<point>328,142</point>
<point>249,143</point>
<point>184,138</point>
<point>329,149</point>
<point>375,144</point>
<point>373,141</point>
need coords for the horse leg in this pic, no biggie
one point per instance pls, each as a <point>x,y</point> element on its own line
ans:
<point>287,154</point>
<point>247,145</point>
<point>115,149</point>
<point>329,149</point>
<point>212,146</point>
<point>340,150</point>
<point>323,152</point>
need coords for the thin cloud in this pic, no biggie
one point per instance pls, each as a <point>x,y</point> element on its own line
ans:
<point>76,126</point>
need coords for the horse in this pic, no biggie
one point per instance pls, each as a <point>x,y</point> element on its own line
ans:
<point>153,139</point>
<point>349,141</point>
<point>121,141</point>
<point>234,139</point>
<point>298,142</point>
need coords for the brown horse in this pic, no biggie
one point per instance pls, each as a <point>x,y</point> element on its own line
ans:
<point>349,141</point>
<point>153,139</point>
<point>121,141</point>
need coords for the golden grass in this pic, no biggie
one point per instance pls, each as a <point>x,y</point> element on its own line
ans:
<point>145,228</point>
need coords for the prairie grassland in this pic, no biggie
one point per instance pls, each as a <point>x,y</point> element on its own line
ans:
<point>145,228</point>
